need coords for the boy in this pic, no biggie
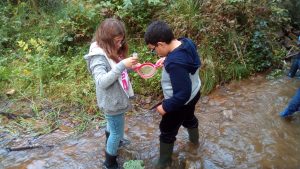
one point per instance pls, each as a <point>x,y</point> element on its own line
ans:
<point>295,62</point>
<point>181,86</point>
<point>293,106</point>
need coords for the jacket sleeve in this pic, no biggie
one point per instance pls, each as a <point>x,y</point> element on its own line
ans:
<point>102,77</point>
<point>182,87</point>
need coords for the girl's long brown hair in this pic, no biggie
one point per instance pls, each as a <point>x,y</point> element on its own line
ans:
<point>109,29</point>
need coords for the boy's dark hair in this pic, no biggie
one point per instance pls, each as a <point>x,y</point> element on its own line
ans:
<point>158,31</point>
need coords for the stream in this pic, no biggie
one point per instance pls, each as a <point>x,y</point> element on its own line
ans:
<point>239,128</point>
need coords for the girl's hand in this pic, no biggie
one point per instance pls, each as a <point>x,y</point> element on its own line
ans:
<point>129,62</point>
<point>160,62</point>
<point>136,65</point>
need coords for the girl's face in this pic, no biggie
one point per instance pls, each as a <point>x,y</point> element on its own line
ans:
<point>119,41</point>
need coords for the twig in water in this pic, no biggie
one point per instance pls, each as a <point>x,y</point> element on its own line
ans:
<point>9,149</point>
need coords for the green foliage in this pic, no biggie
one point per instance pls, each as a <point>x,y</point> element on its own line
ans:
<point>78,22</point>
<point>134,164</point>
<point>293,7</point>
<point>49,5</point>
<point>209,70</point>
<point>12,20</point>
<point>276,73</point>
<point>188,17</point>
<point>41,123</point>
<point>43,42</point>
<point>236,71</point>
<point>259,56</point>
<point>135,13</point>
<point>237,36</point>
<point>209,81</point>
<point>5,71</point>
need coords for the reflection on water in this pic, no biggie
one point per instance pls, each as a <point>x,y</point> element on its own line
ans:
<point>239,128</point>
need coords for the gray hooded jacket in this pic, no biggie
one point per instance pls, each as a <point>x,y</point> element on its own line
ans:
<point>111,98</point>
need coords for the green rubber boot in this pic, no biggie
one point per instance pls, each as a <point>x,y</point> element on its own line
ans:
<point>194,135</point>
<point>165,156</point>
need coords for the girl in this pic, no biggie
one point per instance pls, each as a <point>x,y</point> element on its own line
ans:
<point>107,63</point>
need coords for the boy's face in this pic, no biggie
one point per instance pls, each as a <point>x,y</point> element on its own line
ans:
<point>159,49</point>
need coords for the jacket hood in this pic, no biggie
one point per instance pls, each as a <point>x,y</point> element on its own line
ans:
<point>186,55</point>
<point>93,51</point>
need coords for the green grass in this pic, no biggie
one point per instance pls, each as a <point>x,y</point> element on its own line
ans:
<point>41,51</point>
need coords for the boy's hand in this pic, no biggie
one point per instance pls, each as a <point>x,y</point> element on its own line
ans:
<point>129,62</point>
<point>160,110</point>
<point>160,62</point>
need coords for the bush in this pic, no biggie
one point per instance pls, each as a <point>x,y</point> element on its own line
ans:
<point>293,7</point>
<point>237,36</point>
<point>43,42</point>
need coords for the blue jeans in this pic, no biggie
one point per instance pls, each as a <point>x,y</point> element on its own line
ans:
<point>293,106</point>
<point>295,66</point>
<point>115,125</point>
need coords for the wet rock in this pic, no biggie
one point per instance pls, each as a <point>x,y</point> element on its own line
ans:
<point>38,164</point>
<point>192,164</point>
<point>65,128</point>
<point>3,151</point>
<point>10,92</point>
<point>128,154</point>
<point>205,99</point>
<point>230,104</point>
<point>148,99</point>
<point>228,114</point>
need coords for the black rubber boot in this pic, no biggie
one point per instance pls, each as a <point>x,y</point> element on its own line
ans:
<point>194,135</point>
<point>110,161</point>
<point>123,142</point>
<point>106,136</point>
<point>165,155</point>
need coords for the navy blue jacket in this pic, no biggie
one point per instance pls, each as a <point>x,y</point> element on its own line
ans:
<point>181,64</point>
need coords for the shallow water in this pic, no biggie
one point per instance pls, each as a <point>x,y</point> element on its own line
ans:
<point>239,128</point>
